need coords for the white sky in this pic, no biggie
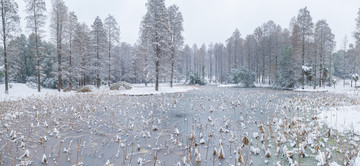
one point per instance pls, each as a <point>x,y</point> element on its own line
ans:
<point>207,21</point>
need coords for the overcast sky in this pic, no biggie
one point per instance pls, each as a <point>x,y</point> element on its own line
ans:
<point>207,21</point>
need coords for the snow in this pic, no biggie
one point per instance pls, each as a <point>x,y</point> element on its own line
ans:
<point>342,118</point>
<point>139,90</point>
<point>259,85</point>
<point>355,76</point>
<point>311,90</point>
<point>18,91</point>
<point>339,89</point>
<point>306,69</point>
<point>357,160</point>
<point>227,86</point>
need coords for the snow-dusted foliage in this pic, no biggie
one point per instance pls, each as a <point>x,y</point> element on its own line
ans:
<point>1,71</point>
<point>9,25</point>
<point>355,77</point>
<point>113,38</point>
<point>36,19</point>
<point>72,55</point>
<point>155,37</point>
<point>243,76</point>
<point>98,44</point>
<point>59,15</point>
<point>306,69</point>
<point>285,74</point>
<point>195,79</point>
<point>177,40</point>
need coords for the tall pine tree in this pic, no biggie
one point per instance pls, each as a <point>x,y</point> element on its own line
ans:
<point>9,25</point>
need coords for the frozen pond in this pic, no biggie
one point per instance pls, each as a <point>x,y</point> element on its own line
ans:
<point>91,129</point>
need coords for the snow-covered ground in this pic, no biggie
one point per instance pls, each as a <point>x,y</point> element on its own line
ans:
<point>342,118</point>
<point>150,90</point>
<point>20,91</point>
<point>339,89</point>
<point>227,85</point>
<point>258,85</point>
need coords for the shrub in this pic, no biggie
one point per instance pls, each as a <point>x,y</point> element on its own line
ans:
<point>355,77</point>
<point>194,79</point>
<point>117,86</point>
<point>84,89</point>
<point>68,89</point>
<point>243,76</point>
<point>285,73</point>
<point>51,83</point>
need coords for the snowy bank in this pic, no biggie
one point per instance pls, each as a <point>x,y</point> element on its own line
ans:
<point>343,118</point>
<point>310,90</point>
<point>18,91</point>
<point>150,90</point>
<point>227,86</point>
<point>340,89</point>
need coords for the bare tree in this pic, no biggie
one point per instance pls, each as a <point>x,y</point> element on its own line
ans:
<point>177,40</point>
<point>72,22</point>
<point>36,19</point>
<point>113,37</point>
<point>9,24</point>
<point>59,17</point>
<point>323,44</point>
<point>345,41</point>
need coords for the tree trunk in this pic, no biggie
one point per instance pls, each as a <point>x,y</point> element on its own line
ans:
<point>6,65</point>
<point>109,58</point>
<point>263,67</point>
<point>314,81</point>
<point>58,36</point>
<point>37,49</point>
<point>4,45</point>
<point>270,43</point>
<point>172,67</point>
<point>303,59</point>
<point>70,63</point>
<point>157,65</point>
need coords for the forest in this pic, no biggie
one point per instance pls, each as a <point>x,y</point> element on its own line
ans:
<point>78,54</point>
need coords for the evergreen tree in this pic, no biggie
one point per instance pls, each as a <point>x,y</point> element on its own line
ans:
<point>285,72</point>
<point>82,56</point>
<point>305,24</point>
<point>98,43</point>
<point>155,34</point>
